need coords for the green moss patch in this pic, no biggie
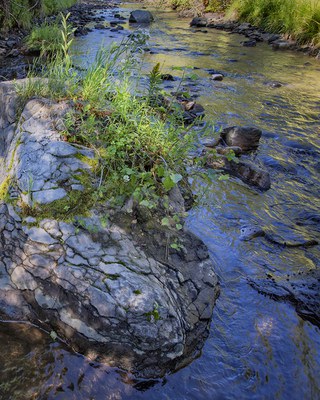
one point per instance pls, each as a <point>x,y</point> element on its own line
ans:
<point>4,188</point>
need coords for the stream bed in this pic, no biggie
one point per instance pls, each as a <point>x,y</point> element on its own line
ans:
<point>258,347</point>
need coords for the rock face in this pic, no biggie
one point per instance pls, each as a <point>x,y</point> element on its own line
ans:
<point>141,17</point>
<point>111,288</point>
<point>245,137</point>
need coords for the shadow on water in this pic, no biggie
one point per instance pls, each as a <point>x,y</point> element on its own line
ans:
<point>257,348</point>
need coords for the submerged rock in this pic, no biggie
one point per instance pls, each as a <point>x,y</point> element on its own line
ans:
<point>249,43</point>
<point>300,289</point>
<point>245,137</point>
<point>248,172</point>
<point>250,232</point>
<point>114,290</point>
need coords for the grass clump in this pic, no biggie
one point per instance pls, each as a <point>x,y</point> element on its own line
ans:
<point>139,153</point>
<point>51,39</point>
<point>300,19</point>
<point>45,38</point>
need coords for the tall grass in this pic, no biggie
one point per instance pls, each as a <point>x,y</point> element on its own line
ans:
<point>299,19</point>
<point>45,38</point>
<point>21,12</point>
<point>53,6</point>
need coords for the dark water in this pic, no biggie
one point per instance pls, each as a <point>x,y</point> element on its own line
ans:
<point>258,348</point>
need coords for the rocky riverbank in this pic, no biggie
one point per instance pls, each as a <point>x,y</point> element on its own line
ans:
<point>252,33</point>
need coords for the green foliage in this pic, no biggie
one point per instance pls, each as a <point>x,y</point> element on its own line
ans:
<point>154,82</point>
<point>45,38</point>
<point>138,153</point>
<point>52,6</point>
<point>181,4</point>
<point>154,315</point>
<point>51,39</point>
<point>21,12</point>
<point>217,5</point>
<point>298,18</point>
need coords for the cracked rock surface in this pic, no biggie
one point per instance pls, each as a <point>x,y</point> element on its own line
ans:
<point>110,290</point>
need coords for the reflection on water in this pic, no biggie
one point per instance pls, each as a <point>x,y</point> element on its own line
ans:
<point>257,348</point>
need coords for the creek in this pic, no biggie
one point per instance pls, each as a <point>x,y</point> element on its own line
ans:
<point>258,348</point>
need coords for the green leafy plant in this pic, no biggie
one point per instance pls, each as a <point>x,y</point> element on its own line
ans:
<point>139,154</point>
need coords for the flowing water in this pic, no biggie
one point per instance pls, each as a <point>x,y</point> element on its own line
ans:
<point>258,348</point>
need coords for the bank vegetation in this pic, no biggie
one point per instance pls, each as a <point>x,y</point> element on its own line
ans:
<point>19,13</point>
<point>297,19</point>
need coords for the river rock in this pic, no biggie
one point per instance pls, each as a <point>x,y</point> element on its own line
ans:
<point>100,26</point>
<point>199,22</point>
<point>250,232</point>
<point>210,142</point>
<point>244,27</point>
<point>245,137</point>
<point>224,150</point>
<point>113,290</point>
<point>192,111</point>
<point>274,84</point>
<point>227,26</point>
<point>271,37</point>
<point>283,44</point>
<point>216,77</point>
<point>249,43</point>
<point>81,31</point>
<point>141,17</point>
<point>167,77</point>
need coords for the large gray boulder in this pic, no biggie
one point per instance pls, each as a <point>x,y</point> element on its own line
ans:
<point>141,17</point>
<point>112,288</point>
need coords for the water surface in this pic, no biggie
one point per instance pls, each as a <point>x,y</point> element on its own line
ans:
<point>258,348</point>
